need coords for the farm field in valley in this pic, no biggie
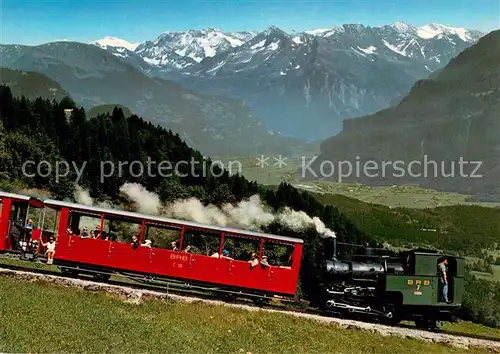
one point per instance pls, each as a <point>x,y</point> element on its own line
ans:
<point>395,196</point>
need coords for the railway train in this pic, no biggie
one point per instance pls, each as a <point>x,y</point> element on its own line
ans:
<point>232,261</point>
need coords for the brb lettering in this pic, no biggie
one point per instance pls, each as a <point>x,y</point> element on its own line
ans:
<point>181,260</point>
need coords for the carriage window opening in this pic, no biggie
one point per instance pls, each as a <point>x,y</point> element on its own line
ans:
<point>121,229</point>
<point>1,209</point>
<point>35,215</point>
<point>163,236</point>
<point>18,211</point>
<point>240,247</point>
<point>84,224</point>
<point>50,221</point>
<point>13,212</point>
<point>278,254</point>
<point>201,242</point>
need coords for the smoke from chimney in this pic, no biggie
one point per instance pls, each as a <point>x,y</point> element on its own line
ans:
<point>249,214</point>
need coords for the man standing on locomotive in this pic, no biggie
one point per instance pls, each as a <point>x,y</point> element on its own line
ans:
<point>443,279</point>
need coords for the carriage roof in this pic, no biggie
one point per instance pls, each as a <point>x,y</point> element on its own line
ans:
<point>134,215</point>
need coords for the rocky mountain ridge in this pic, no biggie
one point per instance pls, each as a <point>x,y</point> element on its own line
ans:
<point>303,84</point>
<point>445,134</point>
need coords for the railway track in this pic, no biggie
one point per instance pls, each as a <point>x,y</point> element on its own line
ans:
<point>183,289</point>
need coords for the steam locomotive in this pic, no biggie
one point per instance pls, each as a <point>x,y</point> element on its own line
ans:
<point>394,288</point>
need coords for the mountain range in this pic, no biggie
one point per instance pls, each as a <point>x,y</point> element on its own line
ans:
<point>94,77</point>
<point>451,117</point>
<point>246,93</point>
<point>300,84</point>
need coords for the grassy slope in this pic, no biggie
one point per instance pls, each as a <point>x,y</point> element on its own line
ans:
<point>463,327</point>
<point>45,318</point>
<point>495,276</point>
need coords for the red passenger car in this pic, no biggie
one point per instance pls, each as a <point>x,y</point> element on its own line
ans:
<point>181,250</point>
<point>14,236</point>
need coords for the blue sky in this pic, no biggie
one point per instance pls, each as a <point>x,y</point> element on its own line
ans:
<point>39,21</point>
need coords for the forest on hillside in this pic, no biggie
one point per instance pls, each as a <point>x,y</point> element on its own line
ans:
<point>466,230</point>
<point>39,130</point>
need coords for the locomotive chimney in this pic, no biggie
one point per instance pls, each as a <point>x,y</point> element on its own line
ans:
<point>335,247</point>
<point>369,251</point>
<point>331,234</point>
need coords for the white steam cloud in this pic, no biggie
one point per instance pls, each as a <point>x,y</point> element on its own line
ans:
<point>82,196</point>
<point>250,214</point>
<point>299,220</point>
<point>146,202</point>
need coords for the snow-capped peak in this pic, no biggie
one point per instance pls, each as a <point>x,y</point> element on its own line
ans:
<point>434,29</point>
<point>401,26</point>
<point>207,37</point>
<point>115,42</point>
<point>326,32</point>
<point>193,44</point>
<point>424,32</point>
<point>190,51</point>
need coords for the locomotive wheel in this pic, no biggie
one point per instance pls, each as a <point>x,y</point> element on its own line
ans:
<point>69,272</point>
<point>426,323</point>
<point>102,277</point>
<point>260,301</point>
<point>395,317</point>
<point>229,297</point>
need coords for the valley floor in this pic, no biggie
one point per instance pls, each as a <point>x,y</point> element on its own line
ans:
<point>38,317</point>
<point>272,170</point>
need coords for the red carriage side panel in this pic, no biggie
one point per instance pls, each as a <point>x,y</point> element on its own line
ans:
<point>13,208</point>
<point>176,264</point>
<point>4,224</point>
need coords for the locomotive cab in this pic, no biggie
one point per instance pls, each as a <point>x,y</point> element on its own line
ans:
<point>420,290</point>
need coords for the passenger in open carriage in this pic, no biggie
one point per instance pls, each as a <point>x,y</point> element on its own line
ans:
<point>225,254</point>
<point>173,246</point>
<point>51,249</point>
<point>135,242</point>
<point>85,232</point>
<point>104,236</point>
<point>17,232</point>
<point>148,243</point>
<point>97,231</point>
<point>187,249</point>
<point>29,228</point>
<point>263,262</point>
<point>254,261</point>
